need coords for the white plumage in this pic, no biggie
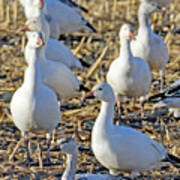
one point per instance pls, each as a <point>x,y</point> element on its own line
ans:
<point>121,148</point>
<point>34,106</point>
<point>128,75</point>
<point>55,74</point>
<point>62,18</point>
<point>55,50</point>
<point>149,45</point>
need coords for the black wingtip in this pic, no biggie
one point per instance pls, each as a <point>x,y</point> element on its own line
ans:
<point>83,88</point>
<point>174,159</point>
<point>84,64</point>
<point>83,9</point>
<point>91,27</point>
<point>74,5</point>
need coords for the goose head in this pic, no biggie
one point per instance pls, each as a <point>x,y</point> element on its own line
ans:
<point>35,39</point>
<point>36,24</point>
<point>148,7</point>
<point>68,145</point>
<point>35,3</point>
<point>102,91</point>
<point>32,24</point>
<point>127,32</point>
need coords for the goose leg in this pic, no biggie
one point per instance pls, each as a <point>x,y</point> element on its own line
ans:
<point>28,157</point>
<point>142,99</point>
<point>134,174</point>
<point>113,175</point>
<point>162,77</point>
<point>16,148</point>
<point>47,161</point>
<point>119,106</point>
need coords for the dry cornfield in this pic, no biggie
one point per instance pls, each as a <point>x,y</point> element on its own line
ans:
<point>98,50</point>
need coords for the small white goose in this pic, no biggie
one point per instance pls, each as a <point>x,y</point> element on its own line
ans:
<point>149,45</point>
<point>55,74</point>
<point>55,50</point>
<point>69,147</point>
<point>128,75</point>
<point>122,148</point>
<point>34,105</point>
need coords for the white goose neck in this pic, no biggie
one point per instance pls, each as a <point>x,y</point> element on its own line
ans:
<point>33,79</point>
<point>35,53</point>
<point>32,12</point>
<point>125,51</point>
<point>69,173</point>
<point>144,25</point>
<point>45,28</point>
<point>105,117</point>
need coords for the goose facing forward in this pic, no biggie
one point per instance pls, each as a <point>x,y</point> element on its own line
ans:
<point>34,106</point>
<point>69,147</point>
<point>149,45</point>
<point>121,148</point>
<point>55,74</point>
<point>128,75</point>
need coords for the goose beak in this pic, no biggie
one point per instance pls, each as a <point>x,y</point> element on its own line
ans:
<point>131,34</point>
<point>25,28</point>
<point>41,41</point>
<point>89,95</point>
<point>41,4</point>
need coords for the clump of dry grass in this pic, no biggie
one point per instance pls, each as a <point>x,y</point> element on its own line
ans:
<point>99,50</point>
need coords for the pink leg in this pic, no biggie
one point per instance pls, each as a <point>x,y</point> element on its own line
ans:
<point>142,106</point>
<point>162,78</point>
<point>119,106</point>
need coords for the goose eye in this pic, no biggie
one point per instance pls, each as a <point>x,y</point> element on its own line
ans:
<point>100,89</point>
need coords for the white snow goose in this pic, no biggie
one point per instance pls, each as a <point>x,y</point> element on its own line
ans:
<point>128,75</point>
<point>34,106</point>
<point>122,148</point>
<point>147,44</point>
<point>55,74</point>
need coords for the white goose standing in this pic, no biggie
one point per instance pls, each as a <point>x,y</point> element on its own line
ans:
<point>69,147</point>
<point>121,148</point>
<point>34,105</point>
<point>149,45</point>
<point>128,75</point>
<point>55,74</point>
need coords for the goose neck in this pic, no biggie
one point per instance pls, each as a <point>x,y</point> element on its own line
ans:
<point>70,170</point>
<point>33,77</point>
<point>143,18</point>
<point>35,54</point>
<point>125,50</point>
<point>106,115</point>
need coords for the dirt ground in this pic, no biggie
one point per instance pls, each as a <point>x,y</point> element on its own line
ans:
<point>107,17</point>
